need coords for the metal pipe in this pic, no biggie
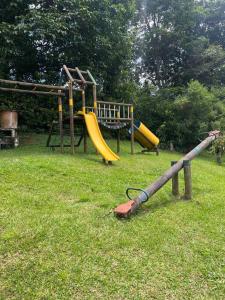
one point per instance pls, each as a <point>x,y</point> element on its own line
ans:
<point>125,210</point>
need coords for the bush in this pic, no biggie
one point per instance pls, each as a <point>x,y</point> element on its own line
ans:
<point>181,115</point>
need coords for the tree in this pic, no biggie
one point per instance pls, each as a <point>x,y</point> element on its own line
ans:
<point>17,52</point>
<point>38,36</point>
<point>178,42</point>
<point>90,34</point>
<point>168,29</point>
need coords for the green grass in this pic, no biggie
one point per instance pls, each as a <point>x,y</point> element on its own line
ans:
<point>60,240</point>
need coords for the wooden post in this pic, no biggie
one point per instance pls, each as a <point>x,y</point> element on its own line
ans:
<point>60,122</point>
<point>118,141</point>
<point>175,182</point>
<point>219,157</point>
<point>95,104</point>
<point>85,138</point>
<point>85,129</point>
<point>83,101</point>
<point>132,128</point>
<point>95,99</point>
<point>72,138</point>
<point>187,180</point>
<point>118,132</point>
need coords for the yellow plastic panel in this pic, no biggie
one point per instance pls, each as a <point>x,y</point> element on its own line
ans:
<point>97,138</point>
<point>145,137</point>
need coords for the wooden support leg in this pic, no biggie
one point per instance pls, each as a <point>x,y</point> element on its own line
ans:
<point>85,138</point>
<point>187,180</point>
<point>132,129</point>
<point>118,141</point>
<point>175,182</point>
<point>219,157</point>
<point>72,138</point>
<point>95,99</point>
<point>83,102</point>
<point>60,123</point>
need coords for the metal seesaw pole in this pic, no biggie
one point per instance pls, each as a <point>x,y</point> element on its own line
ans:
<point>126,209</point>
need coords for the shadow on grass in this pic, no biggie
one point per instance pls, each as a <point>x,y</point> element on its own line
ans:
<point>99,159</point>
<point>153,207</point>
<point>161,204</point>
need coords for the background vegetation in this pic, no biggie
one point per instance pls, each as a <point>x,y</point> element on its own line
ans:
<point>166,56</point>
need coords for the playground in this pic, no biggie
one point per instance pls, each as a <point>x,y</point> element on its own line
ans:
<point>112,150</point>
<point>60,239</point>
<point>62,193</point>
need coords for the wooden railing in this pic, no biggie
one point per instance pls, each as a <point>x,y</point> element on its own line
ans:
<point>112,111</point>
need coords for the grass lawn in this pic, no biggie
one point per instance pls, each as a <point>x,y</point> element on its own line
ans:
<point>60,240</point>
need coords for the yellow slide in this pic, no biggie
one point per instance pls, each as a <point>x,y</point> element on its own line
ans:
<point>144,136</point>
<point>97,138</point>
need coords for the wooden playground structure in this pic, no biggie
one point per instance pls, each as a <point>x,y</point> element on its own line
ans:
<point>111,115</point>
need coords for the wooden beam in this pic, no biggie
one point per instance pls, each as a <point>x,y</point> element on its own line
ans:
<point>68,73</point>
<point>114,103</point>
<point>81,76</point>
<point>74,70</point>
<point>37,85</point>
<point>31,92</point>
<point>92,78</point>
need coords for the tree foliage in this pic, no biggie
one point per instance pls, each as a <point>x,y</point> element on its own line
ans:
<point>178,42</point>
<point>182,115</point>
<point>168,57</point>
<point>37,37</point>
